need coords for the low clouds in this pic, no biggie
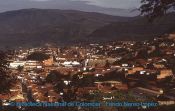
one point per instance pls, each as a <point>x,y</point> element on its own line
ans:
<point>114,3</point>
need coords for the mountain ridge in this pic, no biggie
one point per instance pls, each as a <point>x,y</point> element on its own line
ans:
<point>35,27</point>
<point>28,26</point>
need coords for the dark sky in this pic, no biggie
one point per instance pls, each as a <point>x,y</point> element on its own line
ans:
<point>106,6</point>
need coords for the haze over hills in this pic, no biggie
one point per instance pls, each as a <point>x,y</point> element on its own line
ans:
<point>33,27</point>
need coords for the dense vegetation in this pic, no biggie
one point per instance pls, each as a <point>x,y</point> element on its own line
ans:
<point>38,56</point>
<point>6,80</point>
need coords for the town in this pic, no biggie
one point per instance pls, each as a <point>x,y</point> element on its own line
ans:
<point>111,71</point>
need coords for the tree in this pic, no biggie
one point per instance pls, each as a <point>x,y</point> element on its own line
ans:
<point>107,64</point>
<point>5,79</point>
<point>87,81</point>
<point>38,56</point>
<point>79,80</point>
<point>156,8</point>
<point>54,77</point>
<point>59,86</point>
<point>70,95</point>
<point>171,63</point>
<point>20,68</point>
<point>143,53</point>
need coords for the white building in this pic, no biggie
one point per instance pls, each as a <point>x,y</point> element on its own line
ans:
<point>71,63</point>
<point>16,64</point>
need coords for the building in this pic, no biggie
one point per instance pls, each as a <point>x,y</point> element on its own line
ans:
<point>48,62</point>
<point>144,93</point>
<point>165,73</point>
<point>135,69</point>
<point>16,64</point>
<point>111,84</point>
<point>30,65</point>
<point>71,63</point>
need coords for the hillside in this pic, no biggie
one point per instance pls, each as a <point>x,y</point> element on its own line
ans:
<point>137,29</point>
<point>35,27</point>
<point>38,26</point>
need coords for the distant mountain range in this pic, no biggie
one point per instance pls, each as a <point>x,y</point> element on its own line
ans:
<point>82,5</point>
<point>34,27</point>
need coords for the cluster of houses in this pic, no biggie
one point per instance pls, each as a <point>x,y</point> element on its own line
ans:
<point>143,68</point>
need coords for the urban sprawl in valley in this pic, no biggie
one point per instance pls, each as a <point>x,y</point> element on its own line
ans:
<point>111,71</point>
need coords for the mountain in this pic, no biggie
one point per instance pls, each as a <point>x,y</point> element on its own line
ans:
<point>117,11</point>
<point>137,29</point>
<point>130,12</point>
<point>82,5</point>
<point>37,26</point>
